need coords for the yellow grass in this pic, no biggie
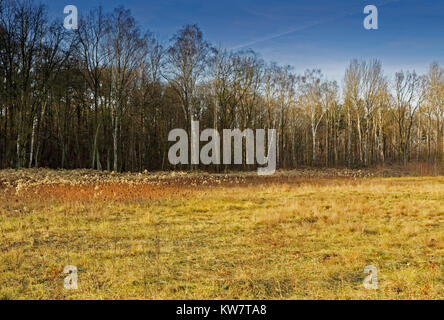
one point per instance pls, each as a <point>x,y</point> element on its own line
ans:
<point>195,236</point>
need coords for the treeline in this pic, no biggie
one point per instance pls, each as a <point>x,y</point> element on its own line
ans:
<point>106,95</point>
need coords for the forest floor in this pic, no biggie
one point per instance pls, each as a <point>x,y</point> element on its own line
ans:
<point>301,234</point>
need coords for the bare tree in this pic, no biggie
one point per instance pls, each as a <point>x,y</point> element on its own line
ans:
<point>188,60</point>
<point>126,49</point>
<point>311,95</point>
<point>91,34</point>
<point>407,100</point>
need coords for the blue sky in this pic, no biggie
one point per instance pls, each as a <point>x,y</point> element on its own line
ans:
<point>324,34</point>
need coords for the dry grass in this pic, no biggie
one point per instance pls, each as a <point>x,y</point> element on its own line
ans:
<point>298,235</point>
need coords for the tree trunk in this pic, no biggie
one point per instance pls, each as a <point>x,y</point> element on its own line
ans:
<point>34,127</point>
<point>115,139</point>
<point>314,156</point>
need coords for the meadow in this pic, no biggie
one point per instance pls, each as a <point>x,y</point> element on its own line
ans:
<point>302,234</point>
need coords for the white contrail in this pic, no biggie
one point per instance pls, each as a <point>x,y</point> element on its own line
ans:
<point>274,36</point>
<point>304,27</point>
